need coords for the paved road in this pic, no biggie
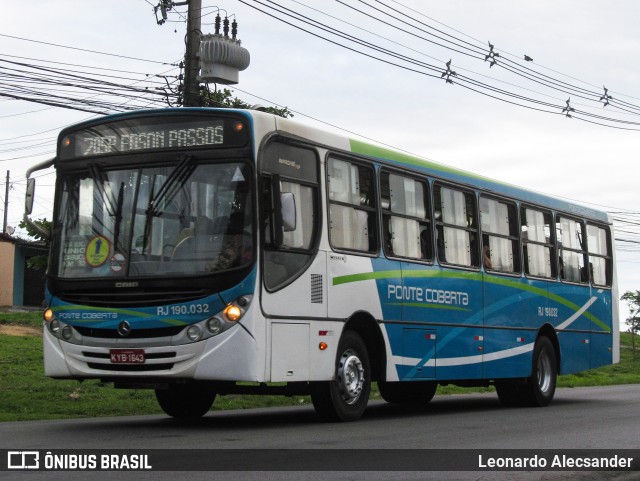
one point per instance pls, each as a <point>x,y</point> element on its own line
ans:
<point>584,418</point>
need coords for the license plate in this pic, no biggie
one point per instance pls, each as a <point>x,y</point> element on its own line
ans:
<point>127,356</point>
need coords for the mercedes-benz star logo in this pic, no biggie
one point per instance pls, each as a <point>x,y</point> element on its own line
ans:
<point>124,328</point>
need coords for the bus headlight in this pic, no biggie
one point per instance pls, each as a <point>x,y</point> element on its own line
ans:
<point>58,328</point>
<point>67,333</point>
<point>194,333</point>
<point>54,326</point>
<point>216,324</point>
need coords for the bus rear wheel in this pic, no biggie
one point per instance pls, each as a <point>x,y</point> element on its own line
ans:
<point>345,397</point>
<point>186,401</point>
<point>539,389</point>
<point>415,393</point>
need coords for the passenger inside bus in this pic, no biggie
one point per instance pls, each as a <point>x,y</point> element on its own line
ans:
<point>486,256</point>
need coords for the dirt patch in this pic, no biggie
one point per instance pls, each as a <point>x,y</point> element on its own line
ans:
<point>14,330</point>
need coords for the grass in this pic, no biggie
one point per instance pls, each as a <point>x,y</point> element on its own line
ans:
<point>22,318</point>
<point>28,395</point>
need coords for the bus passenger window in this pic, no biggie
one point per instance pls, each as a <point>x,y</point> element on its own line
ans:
<point>456,230</point>
<point>600,266</point>
<point>352,223</point>
<point>500,246</point>
<point>537,243</point>
<point>405,210</point>
<point>571,259</point>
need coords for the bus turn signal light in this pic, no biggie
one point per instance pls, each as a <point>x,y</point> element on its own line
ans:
<point>232,312</point>
<point>47,315</point>
<point>322,346</point>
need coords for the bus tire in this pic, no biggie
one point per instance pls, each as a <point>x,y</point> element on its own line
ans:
<point>345,397</point>
<point>416,393</point>
<point>539,389</point>
<point>186,401</point>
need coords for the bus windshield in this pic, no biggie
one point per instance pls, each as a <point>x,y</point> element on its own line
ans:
<point>183,219</point>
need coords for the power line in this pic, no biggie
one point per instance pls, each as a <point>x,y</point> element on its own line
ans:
<point>452,43</point>
<point>82,49</point>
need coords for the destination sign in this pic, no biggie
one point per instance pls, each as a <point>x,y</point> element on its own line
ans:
<point>152,133</point>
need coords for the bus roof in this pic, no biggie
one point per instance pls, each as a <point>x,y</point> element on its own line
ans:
<point>382,154</point>
<point>468,178</point>
<point>441,171</point>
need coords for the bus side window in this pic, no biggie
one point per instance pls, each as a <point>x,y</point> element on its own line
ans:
<point>352,215</point>
<point>539,257</point>
<point>290,212</point>
<point>456,227</point>
<point>406,222</point>
<point>571,260</point>
<point>500,246</point>
<point>600,262</point>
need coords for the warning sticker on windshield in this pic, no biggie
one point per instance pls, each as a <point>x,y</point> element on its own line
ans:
<point>237,176</point>
<point>117,262</point>
<point>97,251</point>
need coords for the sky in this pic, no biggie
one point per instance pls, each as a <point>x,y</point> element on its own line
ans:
<point>587,43</point>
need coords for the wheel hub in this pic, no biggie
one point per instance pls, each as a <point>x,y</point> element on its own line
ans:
<point>350,376</point>
<point>544,373</point>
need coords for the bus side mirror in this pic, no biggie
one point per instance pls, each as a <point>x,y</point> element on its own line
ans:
<point>28,209</point>
<point>28,198</point>
<point>283,212</point>
<point>288,208</point>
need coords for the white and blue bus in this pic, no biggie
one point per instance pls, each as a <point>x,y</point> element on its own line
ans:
<point>204,252</point>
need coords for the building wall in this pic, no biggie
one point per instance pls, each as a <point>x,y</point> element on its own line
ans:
<point>7,266</point>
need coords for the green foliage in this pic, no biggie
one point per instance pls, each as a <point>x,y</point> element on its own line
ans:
<point>44,223</point>
<point>632,298</point>
<point>224,98</point>
<point>37,262</point>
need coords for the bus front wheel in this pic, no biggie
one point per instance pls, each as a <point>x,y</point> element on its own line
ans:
<point>537,390</point>
<point>345,397</point>
<point>186,401</point>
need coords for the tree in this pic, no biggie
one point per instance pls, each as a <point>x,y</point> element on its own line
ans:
<point>632,298</point>
<point>37,262</point>
<point>224,98</point>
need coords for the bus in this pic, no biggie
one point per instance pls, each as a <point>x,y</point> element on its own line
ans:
<point>202,252</point>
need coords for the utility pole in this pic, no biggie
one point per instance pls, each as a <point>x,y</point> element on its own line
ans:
<point>6,205</point>
<point>192,61</point>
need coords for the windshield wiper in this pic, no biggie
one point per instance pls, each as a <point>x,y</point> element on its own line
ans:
<point>168,190</point>
<point>118,218</point>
